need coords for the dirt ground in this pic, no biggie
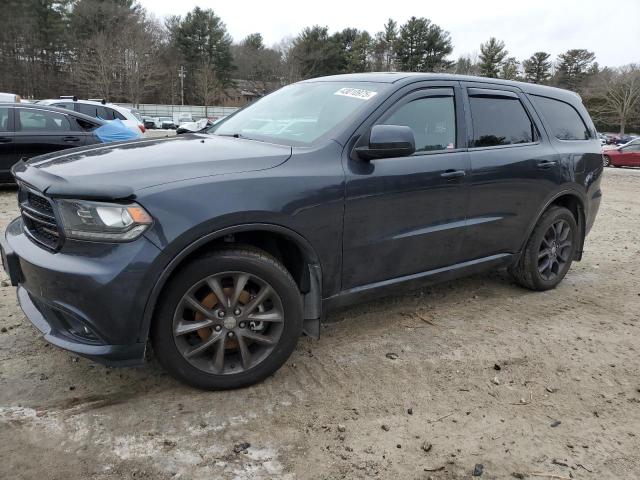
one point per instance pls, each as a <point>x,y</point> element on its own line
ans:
<point>528,385</point>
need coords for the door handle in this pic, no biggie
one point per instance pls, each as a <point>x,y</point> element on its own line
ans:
<point>71,139</point>
<point>453,174</point>
<point>544,164</point>
<point>5,139</point>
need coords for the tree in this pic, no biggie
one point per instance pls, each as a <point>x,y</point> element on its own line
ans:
<point>202,39</point>
<point>33,46</point>
<point>383,47</point>
<point>537,68</point>
<point>316,53</point>
<point>256,63</point>
<point>354,48</point>
<point>573,68</point>
<point>466,65</point>
<point>289,70</point>
<point>141,69</point>
<point>510,68</point>
<point>617,97</point>
<point>208,86</point>
<point>492,55</point>
<point>422,46</point>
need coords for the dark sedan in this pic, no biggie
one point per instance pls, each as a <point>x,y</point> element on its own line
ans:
<point>29,130</point>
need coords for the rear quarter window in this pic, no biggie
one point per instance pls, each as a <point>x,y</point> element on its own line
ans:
<point>564,121</point>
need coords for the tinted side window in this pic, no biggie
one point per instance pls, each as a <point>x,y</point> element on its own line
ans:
<point>564,120</point>
<point>86,109</point>
<point>116,114</point>
<point>4,119</point>
<point>500,121</point>
<point>39,120</point>
<point>104,113</point>
<point>86,125</point>
<point>432,119</point>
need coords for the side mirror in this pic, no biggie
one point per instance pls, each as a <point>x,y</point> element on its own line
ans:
<point>387,141</point>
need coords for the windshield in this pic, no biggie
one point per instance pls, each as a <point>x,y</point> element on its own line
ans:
<point>301,113</point>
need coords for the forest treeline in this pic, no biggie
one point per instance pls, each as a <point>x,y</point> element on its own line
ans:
<point>115,49</point>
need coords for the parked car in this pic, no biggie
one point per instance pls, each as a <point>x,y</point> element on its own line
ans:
<point>100,109</point>
<point>149,123</point>
<point>167,123</point>
<point>9,98</point>
<point>224,247</point>
<point>627,155</point>
<point>194,127</point>
<point>28,130</point>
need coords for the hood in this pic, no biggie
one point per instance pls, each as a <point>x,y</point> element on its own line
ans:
<point>117,170</point>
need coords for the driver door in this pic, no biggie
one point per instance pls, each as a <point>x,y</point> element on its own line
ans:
<point>407,215</point>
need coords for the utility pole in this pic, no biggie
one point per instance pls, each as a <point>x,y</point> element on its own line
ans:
<point>181,74</point>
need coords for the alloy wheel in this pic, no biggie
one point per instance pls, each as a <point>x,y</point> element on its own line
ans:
<point>555,250</point>
<point>228,323</point>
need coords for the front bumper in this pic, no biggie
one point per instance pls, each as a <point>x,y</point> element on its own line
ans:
<point>88,298</point>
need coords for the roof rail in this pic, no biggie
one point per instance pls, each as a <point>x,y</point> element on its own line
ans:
<point>69,97</point>
<point>101,100</point>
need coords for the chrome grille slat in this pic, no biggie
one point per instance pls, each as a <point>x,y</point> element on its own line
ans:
<point>39,219</point>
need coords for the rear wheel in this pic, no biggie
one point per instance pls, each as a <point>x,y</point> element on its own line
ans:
<point>606,160</point>
<point>228,320</point>
<point>549,251</point>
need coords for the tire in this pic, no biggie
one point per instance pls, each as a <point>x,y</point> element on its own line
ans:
<point>527,271</point>
<point>606,160</point>
<point>175,315</point>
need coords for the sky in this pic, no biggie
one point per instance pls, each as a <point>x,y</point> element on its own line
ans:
<point>610,30</point>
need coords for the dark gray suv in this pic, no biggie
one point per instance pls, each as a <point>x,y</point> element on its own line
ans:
<point>222,248</point>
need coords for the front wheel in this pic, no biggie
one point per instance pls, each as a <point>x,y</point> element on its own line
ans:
<point>549,251</point>
<point>606,160</point>
<point>228,320</point>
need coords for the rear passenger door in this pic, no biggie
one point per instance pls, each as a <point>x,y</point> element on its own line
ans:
<point>513,169</point>
<point>43,131</point>
<point>7,143</point>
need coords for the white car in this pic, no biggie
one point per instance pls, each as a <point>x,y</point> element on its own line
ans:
<point>100,109</point>
<point>10,98</point>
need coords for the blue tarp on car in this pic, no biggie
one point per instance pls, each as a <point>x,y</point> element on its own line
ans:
<point>115,131</point>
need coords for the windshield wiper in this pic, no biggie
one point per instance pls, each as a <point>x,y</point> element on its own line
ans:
<point>234,135</point>
<point>238,135</point>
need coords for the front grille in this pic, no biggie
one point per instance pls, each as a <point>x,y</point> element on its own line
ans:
<point>39,219</point>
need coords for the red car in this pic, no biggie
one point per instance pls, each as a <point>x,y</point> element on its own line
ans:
<point>627,155</point>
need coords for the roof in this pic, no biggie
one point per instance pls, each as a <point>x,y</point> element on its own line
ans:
<point>404,78</point>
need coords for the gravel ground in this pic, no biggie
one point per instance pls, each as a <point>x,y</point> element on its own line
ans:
<point>527,385</point>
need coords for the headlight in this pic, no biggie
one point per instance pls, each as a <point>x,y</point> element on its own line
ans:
<point>106,222</point>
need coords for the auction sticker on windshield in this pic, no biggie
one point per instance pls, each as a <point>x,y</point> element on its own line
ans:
<point>356,93</point>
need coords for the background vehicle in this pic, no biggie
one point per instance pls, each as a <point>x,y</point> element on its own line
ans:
<point>27,130</point>
<point>167,123</point>
<point>201,125</point>
<point>627,155</point>
<point>324,193</point>
<point>149,123</point>
<point>100,109</point>
<point>10,98</point>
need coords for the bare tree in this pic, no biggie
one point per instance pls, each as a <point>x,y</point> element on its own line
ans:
<point>208,86</point>
<point>617,98</point>
<point>100,66</point>
<point>141,68</point>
